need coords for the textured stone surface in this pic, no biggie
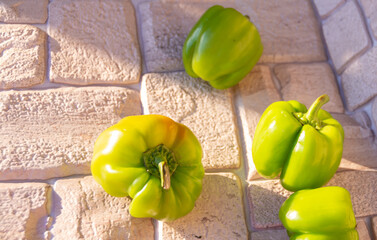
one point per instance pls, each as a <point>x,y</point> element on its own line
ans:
<point>164,27</point>
<point>361,185</point>
<point>51,133</point>
<point>306,82</point>
<point>265,199</point>
<point>93,42</point>
<point>270,235</point>
<point>22,56</point>
<point>362,229</point>
<point>257,91</point>
<point>352,129</point>
<point>23,210</point>
<point>359,80</point>
<point>218,212</point>
<point>208,112</point>
<point>345,35</point>
<point>17,11</point>
<point>359,152</point>
<point>289,30</point>
<point>83,210</point>
<point>370,10</point>
<point>325,7</point>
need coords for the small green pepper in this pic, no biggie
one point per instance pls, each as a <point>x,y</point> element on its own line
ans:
<point>222,47</point>
<point>319,214</point>
<point>153,160</point>
<point>306,146</point>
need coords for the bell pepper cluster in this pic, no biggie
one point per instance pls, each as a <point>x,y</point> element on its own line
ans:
<point>157,162</point>
<point>305,147</point>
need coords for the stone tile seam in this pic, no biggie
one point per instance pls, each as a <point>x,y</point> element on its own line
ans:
<point>366,22</point>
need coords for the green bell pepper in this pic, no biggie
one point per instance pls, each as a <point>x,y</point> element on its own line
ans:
<point>319,214</point>
<point>305,146</point>
<point>222,47</point>
<point>153,160</point>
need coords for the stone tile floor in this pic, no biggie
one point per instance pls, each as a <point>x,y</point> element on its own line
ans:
<point>71,68</point>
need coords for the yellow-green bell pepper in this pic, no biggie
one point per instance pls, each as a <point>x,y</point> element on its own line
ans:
<point>319,214</point>
<point>153,160</point>
<point>222,47</point>
<point>305,146</point>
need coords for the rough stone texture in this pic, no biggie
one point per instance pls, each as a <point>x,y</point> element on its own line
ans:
<point>306,82</point>
<point>83,210</point>
<point>23,210</point>
<point>265,199</point>
<point>289,30</point>
<point>370,10</point>
<point>270,235</point>
<point>208,112</point>
<point>325,7</point>
<point>257,91</point>
<point>22,56</point>
<point>51,133</point>
<point>17,11</point>
<point>362,229</point>
<point>361,185</point>
<point>345,35</point>
<point>352,129</point>
<point>218,212</point>
<point>374,226</point>
<point>164,27</point>
<point>93,42</point>
<point>359,80</point>
<point>359,152</point>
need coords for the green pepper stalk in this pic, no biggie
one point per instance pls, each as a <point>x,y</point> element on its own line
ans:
<point>303,146</point>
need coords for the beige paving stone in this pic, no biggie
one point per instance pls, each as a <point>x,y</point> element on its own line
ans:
<point>164,27</point>
<point>374,226</point>
<point>352,129</point>
<point>370,10</point>
<point>51,133</point>
<point>345,35</point>
<point>359,151</point>
<point>362,229</point>
<point>16,11</point>
<point>306,82</point>
<point>83,210</point>
<point>93,42</point>
<point>208,112</point>
<point>257,91</point>
<point>361,185</point>
<point>359,80</point>
<point>218,212</point>
<point>289,30</point>
<point>265,199</point>
<point>270,235</point>
<point>325,7</point>
<point>23,210</point>
<point>22,56</point>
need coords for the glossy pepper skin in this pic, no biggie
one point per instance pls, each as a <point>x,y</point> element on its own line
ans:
<point>305,146</point>
<point>319,214</point>
<point>222,47</point>
<point>153,160</point>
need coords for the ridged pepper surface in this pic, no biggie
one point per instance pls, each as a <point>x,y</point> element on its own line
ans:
<point>303,146</point>
<point>319,214</point>
<point>153,160</point>
<point>222,47</point>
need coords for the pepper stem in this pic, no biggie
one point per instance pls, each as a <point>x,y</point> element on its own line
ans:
<point>311,114</point>
<point>163,168</point>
